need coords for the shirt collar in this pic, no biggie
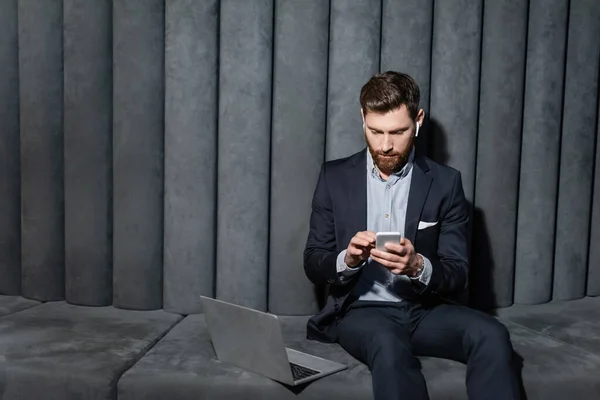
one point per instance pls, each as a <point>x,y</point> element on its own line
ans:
<point>371,169</point>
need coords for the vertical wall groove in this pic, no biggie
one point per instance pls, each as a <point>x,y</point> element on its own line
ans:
<point>87,147</point>
<point>41,128</point>
<point>138,109</point>
<point>243,159</point>
<point>10,209</point>
<point>190,153</point>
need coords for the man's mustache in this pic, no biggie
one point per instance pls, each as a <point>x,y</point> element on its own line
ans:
<point>388,154</point>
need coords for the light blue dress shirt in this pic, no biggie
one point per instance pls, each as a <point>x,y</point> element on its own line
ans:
<point>386,212</point>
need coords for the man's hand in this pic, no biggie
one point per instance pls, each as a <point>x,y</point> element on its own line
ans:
<point>359,248</point>
<point>400,258</point>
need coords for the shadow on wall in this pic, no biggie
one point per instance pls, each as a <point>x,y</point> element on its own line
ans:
<point>481,294</point>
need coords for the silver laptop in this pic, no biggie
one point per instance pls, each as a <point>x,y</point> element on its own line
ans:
<point>252,340</point>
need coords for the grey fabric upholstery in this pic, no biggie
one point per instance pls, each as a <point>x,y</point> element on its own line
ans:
<point>406,29</point>
<point>540,151</point>
<point>10,212</point>
<point>455,64</point>
<point>406,42</point>
<point>183,366</point>
<point>13,304</point>
<point>577,153</point>
<point>138,105</point>
<point>87,147</point>
<point>498,145</point>
<point>298,139</point>
<point>61,351</point>
<point>576,322</point>
<point>354,52</point>
<point>243,151</point>
<point>191,127</point>
<point>190,152</point>
<point>41,128</point>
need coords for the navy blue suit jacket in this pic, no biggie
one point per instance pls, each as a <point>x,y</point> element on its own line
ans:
<point>339,211</point>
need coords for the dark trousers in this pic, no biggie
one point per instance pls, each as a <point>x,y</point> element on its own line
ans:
<point>387,337</point>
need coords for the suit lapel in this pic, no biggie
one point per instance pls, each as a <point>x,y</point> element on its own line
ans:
<point>356,193</point>
<point>419,188</point>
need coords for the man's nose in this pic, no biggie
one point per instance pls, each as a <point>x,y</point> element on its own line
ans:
<point>386,144</point>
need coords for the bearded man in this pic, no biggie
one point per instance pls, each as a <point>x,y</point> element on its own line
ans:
<point>386,307</point>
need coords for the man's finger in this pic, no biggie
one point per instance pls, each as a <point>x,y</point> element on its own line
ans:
<point>359,241</point>
<point>382,261</point>
<point>372,235</point>
<point>385,255</point>
<point>366,236</point>
<point>355,251</point>
<point>396,248</point>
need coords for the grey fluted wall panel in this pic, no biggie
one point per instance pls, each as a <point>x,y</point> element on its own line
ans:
<point>190,152</point>
<point>354,44</point>
<point>546,44</point>
<point>498,149</point>
<point>138,112</point>
<point>87,146</point>
<point>10,186</point>
<point>41,122</point>
<point>593,281</point>
<point>455,61</point>
<point>299,117</point>
<point>406,28</point>
<point>577,151</point>
<point>243,151</point>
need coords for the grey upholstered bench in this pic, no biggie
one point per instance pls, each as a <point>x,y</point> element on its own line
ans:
<point>13,304</point>
<point>183,365</point>
<point>61,351</point>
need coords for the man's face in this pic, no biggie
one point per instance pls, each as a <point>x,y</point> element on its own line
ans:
<point>390,138</point>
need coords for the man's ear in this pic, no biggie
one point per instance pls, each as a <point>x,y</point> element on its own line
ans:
<point>420,116</point>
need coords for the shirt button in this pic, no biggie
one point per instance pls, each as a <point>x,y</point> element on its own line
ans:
<point>387,215</point>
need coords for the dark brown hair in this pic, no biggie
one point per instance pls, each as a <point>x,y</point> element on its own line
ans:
<point>387,91</point>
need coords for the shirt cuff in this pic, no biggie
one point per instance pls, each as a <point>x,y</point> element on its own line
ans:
<point>425,276</point>
<point>344,270</point>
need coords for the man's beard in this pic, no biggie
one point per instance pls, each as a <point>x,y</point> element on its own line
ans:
<point>391,162</point>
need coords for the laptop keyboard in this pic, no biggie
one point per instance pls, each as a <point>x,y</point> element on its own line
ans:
<point>300,372</point>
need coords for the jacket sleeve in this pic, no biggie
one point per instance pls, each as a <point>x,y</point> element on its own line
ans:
<point>320,254</point>
<point>451,263</point>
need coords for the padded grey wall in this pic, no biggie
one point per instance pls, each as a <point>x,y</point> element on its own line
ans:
<point>540,150</point>
<point>154,151</point>
<point>577,150</point>
<point>87,39</point>
<point>297,140</point>
<point>41,132</point>
<point>498,148</point>
<point>138,126</point>
<point>191,95</point>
